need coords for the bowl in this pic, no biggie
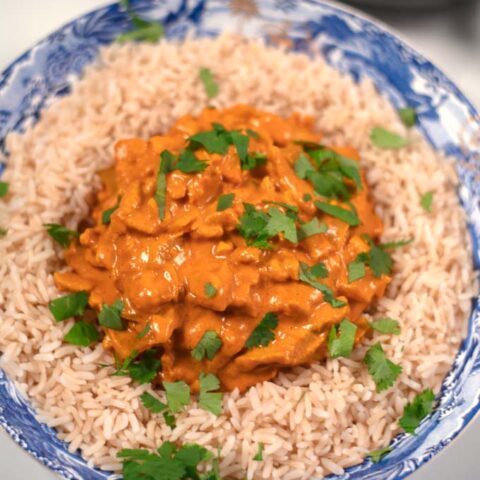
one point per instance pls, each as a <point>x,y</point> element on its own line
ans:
<point>350,42</point>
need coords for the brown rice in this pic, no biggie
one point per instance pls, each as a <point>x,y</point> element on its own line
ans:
<point>313,421</point>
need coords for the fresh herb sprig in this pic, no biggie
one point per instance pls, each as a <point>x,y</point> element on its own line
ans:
<point>62,235</point>
<point>263,333</point>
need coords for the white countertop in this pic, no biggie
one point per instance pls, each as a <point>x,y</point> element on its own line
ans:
<point>449,37</point>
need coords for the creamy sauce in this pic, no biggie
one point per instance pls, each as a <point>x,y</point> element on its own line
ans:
<point>159,268</point>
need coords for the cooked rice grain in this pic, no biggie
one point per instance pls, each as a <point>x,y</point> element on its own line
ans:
<point>313,421</point>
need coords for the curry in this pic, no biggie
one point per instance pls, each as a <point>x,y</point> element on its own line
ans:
<point>227,245</point>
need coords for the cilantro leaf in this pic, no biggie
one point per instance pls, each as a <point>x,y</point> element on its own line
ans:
<point>107,214</point>
<point>254,160</point>
<point>386,325</point>
<point>279,222</point>
<point>209,399</point>
<point>302,166</point>
<point>259,455</point>
<point>398,244</point>
<point>329,185</point>
<point>213,141</point>
<point>383,138</point>
<point>347,216</point>
<point>241,145</point>
<point>210,290</point>
<point>383,371</point>
<point>167,160</point>
<point>152,403</point>
<point>208,346</point>
<point>209,83</point>
<point>143,30</point>
<point>110,316</point>
<point>408,116</point>
<point>417,410</point>
<point>377,455</point>
<point>252,226</point>
<point>356,270</point>
<point>144,332</point>
<point>379,261</point>
<point>142,370</point>
<point>62,235</point>
<point>307,197</point>
<point>4,187</point>
<point>71,305</point>
<point>319,270</point>
<point>178,395</point>
<point>426,201</point>
<point>313,227</point>
<point>168,463</point>
<point>305,275</point>
<point>82,333</point>
<point>169,419</point>
<point>225,201</point>
<point>340,344</point>
<point>263,334</point>
<point>189,163</point>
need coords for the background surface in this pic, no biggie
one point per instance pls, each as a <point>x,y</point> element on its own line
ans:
<point>450,37</point>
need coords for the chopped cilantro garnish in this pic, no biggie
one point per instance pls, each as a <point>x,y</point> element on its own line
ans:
<point>110,316</point>
<point>313,227</point>
<point>62,235</point>
<point>417,410</point>
<point>347,216</point>
<point>408,116</point>
<point>292,209</point>
<point>383,371</point>
<point>213,141</point>
<point>319,270</point>
<point>329,185</point>
<point>253,134</point>
<point>143,30</point>
<point>167,160</point>
<point>178,395</point>
<point>259,455</point>
<point>4,187</point>
<point>280,222</point>
<point>107,214</point>
<point>208,346</point>
<point>168,463</point>
<point>307,197</point>
<point>82,333</point>
<point>254,160</point>
<point>68,306</point>
<point>241,145</point>
<point>209,83</point>
<point>379,261</point>
<point>209,399</point>
<point>386,325</point>
<point>189,163</point>
<point>426,201</point>
<point>305,275</point>
<point>225,201</point>
<point>142,369</point>
<point>210,290</point>
<point>303,166</point>
<point>263,334</point>
<point>341,339</point>
<point>356,269</point>
<point>377,455</point>
<point>383,138</point>
<point>252,226</point>
<point>151,403</point>
<point>144,332</point>
<point>398,244</point>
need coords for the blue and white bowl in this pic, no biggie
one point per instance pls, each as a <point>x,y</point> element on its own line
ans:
<point>351,43</point>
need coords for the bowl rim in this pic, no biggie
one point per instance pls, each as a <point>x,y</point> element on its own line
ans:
<point>342,9</point>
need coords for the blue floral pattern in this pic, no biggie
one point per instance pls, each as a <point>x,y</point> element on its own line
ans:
<point>351,43</point>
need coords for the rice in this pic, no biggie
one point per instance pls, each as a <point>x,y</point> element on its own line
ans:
<point>313,421</point>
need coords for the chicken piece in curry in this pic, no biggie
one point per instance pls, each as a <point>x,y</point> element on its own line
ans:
<point>235,244</point>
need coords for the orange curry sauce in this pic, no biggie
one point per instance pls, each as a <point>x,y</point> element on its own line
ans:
<point>159,268</point>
